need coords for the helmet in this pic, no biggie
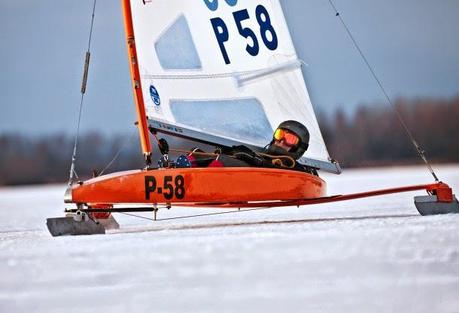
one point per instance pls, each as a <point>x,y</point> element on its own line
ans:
<point>298,129</point>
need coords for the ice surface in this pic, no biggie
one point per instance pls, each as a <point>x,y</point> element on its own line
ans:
<point>371,255</point>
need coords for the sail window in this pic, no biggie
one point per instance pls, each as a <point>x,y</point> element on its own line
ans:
<point>176,49</point>
<point>240,119</point>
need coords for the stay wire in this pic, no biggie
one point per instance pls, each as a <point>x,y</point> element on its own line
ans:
<point>92,24</point>
<point>195,215</point>
<point>418,148</point>
<point>83,91</point>
<point>117,154</point>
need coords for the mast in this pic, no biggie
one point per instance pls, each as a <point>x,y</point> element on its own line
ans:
<point>142,123</point>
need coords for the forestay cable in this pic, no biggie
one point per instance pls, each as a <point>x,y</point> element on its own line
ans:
<point>418,148</point>
<point>83,91</point>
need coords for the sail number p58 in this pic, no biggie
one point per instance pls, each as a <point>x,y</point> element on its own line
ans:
<point>267,32</point>
<point>171,187</point>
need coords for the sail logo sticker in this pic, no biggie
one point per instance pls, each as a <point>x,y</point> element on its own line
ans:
<point>155,95</point>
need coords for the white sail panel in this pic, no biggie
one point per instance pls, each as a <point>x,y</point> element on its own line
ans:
<point>223,67</point>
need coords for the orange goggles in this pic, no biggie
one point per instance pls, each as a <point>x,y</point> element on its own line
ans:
<point>289,138</point>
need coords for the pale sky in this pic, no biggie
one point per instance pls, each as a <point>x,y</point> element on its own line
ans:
<point>413,45</point>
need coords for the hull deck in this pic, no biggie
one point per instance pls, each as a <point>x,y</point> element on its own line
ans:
<point>199,185</point>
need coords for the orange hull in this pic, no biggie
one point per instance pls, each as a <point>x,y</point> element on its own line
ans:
<point>199,185</point>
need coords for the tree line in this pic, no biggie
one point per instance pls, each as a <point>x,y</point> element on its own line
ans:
<point>370,136</point>
<point>47,159</point>
<point>373,135</point>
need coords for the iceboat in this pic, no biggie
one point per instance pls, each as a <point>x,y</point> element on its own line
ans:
<point>222,73</point>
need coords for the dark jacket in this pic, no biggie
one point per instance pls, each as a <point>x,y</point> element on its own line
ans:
<point>242,156</point>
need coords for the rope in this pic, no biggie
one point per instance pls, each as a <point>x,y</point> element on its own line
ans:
<point>214,75</point>
<point>277,159</point>
<point>209,154</point>
<point>198,76</point>
<point>418,148</point>
<point>83,91</point>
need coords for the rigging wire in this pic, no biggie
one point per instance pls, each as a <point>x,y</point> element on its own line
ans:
<point>418,148</point>
<point>83,91</point>
<point>195,215</point>
<point>117,154</point>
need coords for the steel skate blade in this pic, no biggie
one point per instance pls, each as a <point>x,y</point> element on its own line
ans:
<point>68,226</point>
<point>429,205</point>
<point>109,223</point>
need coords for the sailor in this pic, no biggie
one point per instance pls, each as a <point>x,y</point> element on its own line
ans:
<point>290,138</point>
<point>289,142</point>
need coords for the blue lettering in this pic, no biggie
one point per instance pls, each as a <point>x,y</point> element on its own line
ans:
<point>212,4</point>
<point>231,2</point>
<point>267,32</point>
<point>266,27</point>
<point>246,32</point>
<point>222,35</point>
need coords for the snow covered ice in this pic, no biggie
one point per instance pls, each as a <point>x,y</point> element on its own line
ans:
<point>370,255</point>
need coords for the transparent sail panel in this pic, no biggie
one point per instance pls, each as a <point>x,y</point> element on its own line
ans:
<point>243,118</point>
<point>176,49</point>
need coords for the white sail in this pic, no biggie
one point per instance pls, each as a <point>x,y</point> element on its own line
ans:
<point>224,68</point>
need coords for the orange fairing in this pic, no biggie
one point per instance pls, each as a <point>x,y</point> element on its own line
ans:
<point>199,185</point>
<point>443,192</point>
